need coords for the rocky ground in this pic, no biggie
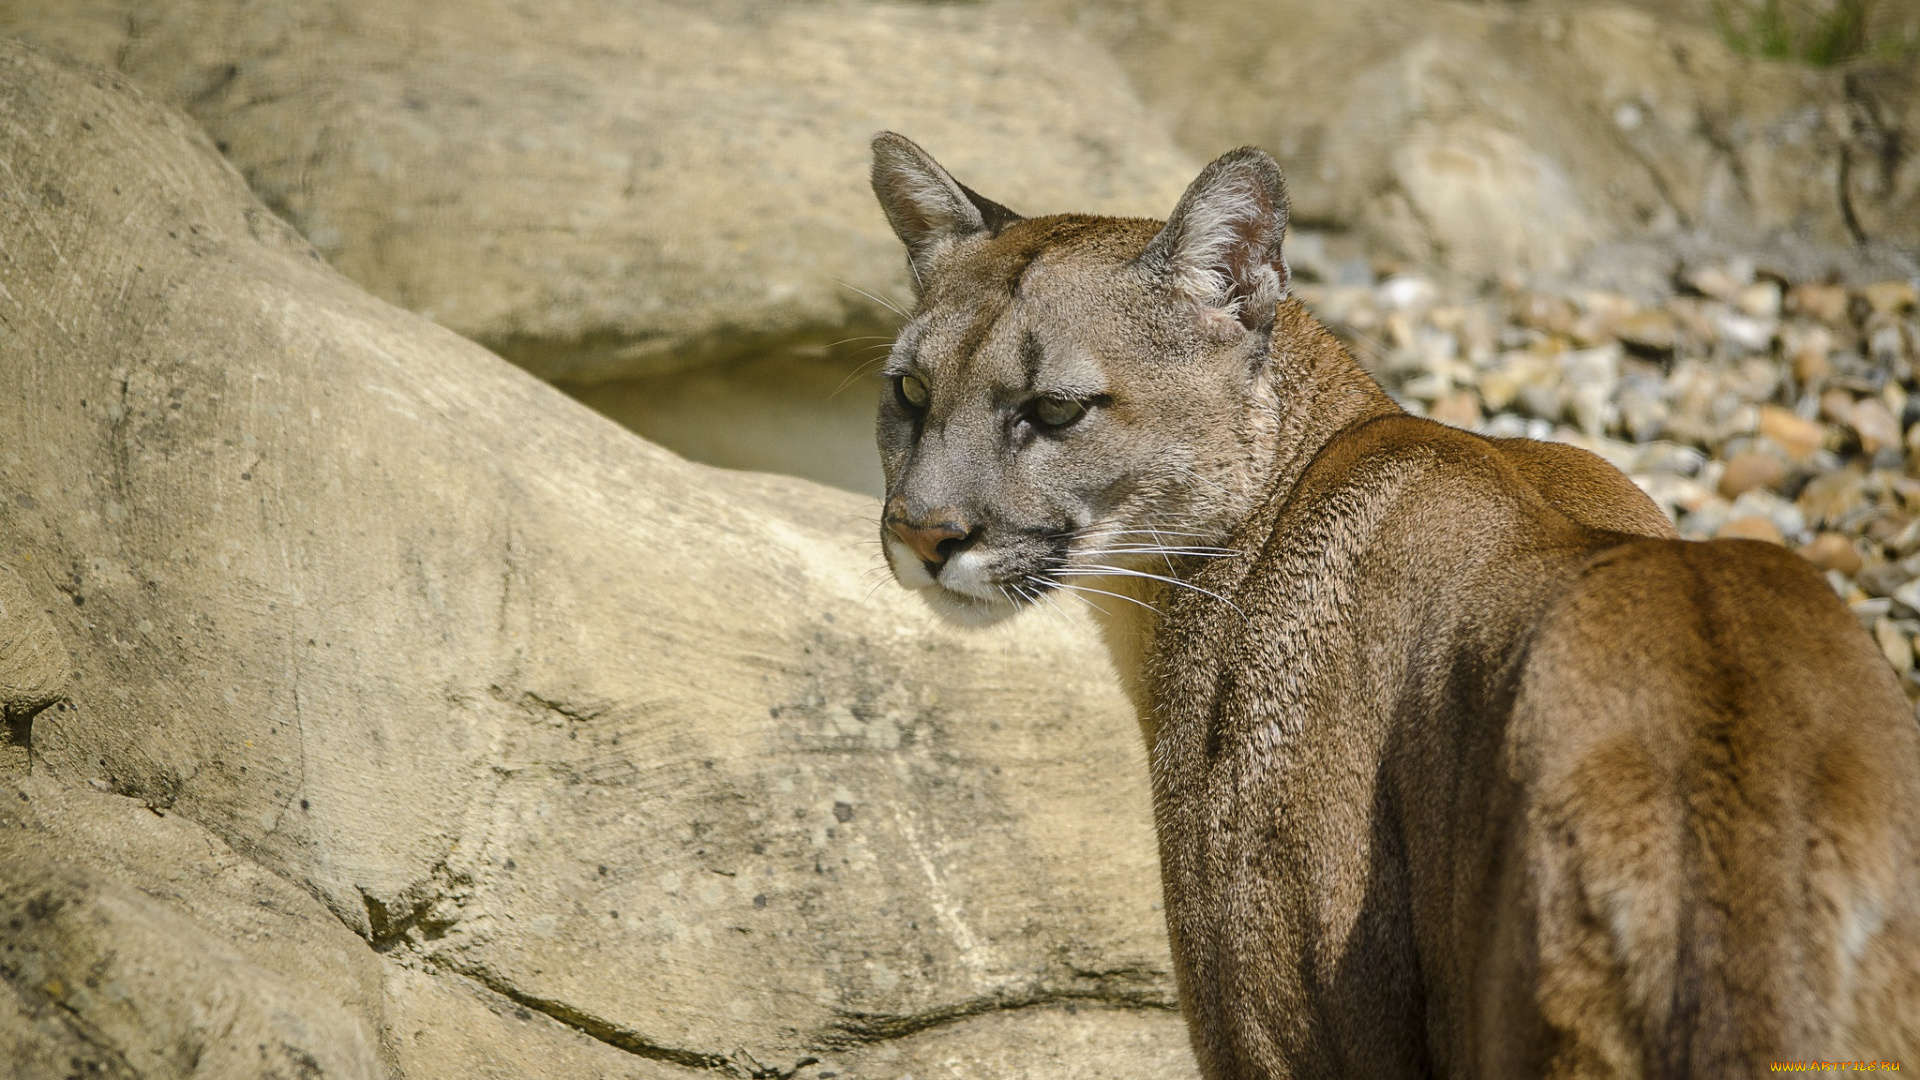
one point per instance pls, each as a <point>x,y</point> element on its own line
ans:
<point>1746,403</point>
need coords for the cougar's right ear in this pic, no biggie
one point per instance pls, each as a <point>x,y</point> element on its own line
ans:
<point>926,206</point>
<point>1221,247</point>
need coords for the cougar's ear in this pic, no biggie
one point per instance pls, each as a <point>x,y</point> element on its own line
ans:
<point>926,206</point>
<point>1221,247</point>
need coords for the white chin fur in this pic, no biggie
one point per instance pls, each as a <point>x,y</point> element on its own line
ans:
<point>960,595</point>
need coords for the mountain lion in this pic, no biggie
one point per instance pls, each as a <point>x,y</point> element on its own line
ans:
<point>1463,764</point>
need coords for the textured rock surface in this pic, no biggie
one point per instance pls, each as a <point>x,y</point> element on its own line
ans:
<point>34,668</point>
<point>1497,138</point>
<point>598,188</point>
<point>533,708</point>
<point>142,943</point>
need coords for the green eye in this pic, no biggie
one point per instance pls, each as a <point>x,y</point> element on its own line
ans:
<point>1057,411</point>
<point>912,390</point>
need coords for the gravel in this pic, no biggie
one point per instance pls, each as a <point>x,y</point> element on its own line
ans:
<point>1744,403</point>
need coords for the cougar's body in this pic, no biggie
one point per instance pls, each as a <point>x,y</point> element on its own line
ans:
<point>1463,765</point>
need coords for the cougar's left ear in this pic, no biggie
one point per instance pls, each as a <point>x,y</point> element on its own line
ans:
<point>926,206</point>
<point>1221,247</point>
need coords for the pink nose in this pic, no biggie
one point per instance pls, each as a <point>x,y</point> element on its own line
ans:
<point>931,538</point>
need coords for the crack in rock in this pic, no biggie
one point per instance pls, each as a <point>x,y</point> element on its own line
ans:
<point>853,1030</point>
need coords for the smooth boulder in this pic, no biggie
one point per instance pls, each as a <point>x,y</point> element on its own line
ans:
<point>536,712</point>
<point>1498,139</point>
<point>600,189</point>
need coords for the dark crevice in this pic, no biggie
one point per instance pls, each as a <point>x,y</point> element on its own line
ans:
<point>1874,142</point>
<point>19,725</point>
<point>605,1031</point>
<point>567,709</point>
<point>1845,183</point>
<point>852,1030</point>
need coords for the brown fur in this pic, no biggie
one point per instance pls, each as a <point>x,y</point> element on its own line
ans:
<point>1463,764</point>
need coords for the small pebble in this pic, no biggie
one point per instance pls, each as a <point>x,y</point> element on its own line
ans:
<point>1874,423</point>
<point>1832,551</point>
<point>1751,469</point>
<point>1799,437</point>
<point>1750,527</point>
<point>1460,408</point>
<point>1827,303</point>
<point>1891,297</point>
<point>1762,300</point>
<point>1648,328</point>
<point>1894,644</point>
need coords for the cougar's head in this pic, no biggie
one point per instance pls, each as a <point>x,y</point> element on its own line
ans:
<point>1073,397</point>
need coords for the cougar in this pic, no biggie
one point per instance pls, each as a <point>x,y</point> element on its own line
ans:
<point>1463,763</point>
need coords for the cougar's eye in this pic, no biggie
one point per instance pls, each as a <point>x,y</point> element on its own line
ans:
<point>1057,411</point>
<point>913,392</point>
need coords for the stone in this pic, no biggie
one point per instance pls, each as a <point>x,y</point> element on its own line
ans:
<point>1827,303</point>
<point>1761,300</point>
<point>1831,498</point>
<point>1832,551</point>
<point>1895,644</point>
<point>1719,282</point>
<point>502,693</point>
<point>1528,378</point>
<point>1884,578</point>
<point>34,668</point>
<point>1588,380</point>
<point>1836,406</point>
<point>1460,408</point>
<point>1744,333</point>
<point>1890,297</point>
<point>1750,527</point>
<point>1799,437</point>
<point>1875,424</point>
<point>1751,469</point>
<point>603,189</point>
<point>1705,520</point>
<point>1648,328</point>
<point>1886,337</point>
<point>1675,495</point>
<point>1810,348</point>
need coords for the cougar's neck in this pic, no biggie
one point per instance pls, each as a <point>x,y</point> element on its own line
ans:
<point>1315,391</point>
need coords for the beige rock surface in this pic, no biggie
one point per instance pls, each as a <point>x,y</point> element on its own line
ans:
<point>513,695</point>
<point>600,188</point>
<point>149,944</point>
<point>34,668</point>
<point>1501,137</point>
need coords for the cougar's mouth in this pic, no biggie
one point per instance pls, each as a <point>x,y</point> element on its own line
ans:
<point>985,582</point>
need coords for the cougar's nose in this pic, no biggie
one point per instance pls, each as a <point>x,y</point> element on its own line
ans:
<point>933,536</point>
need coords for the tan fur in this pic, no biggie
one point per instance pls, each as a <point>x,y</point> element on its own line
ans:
<point>1463,764</point>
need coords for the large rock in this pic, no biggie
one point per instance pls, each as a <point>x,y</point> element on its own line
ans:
<point>150,946</point>
<point>602,188</point>
<point>1511,137</point>
<point>34,667</point>
<point>541,714</point>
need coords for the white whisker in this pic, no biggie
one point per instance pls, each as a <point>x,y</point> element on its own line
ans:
<point>856,373</point>
<point>1103,592</point>
<point>883,303</point>
<point>1091,570</point>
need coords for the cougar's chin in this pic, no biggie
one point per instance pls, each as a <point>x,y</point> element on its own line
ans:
<point>963,610</point>
<point>963,594</point>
